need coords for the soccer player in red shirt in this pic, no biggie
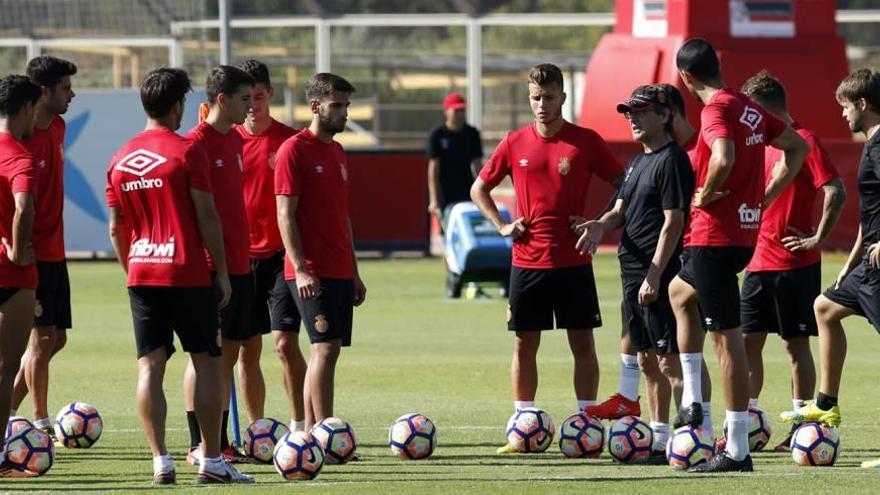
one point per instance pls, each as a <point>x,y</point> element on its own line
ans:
<point>311,188</point>
<point>274,307</point>
<point>551,163</point>
<point>855,290</point>
<point>229,97</point>
<point>729,163</point>
<point>52,313</point>
<point>18,275</point>
<point>161,215</point>
<point>784,276</point>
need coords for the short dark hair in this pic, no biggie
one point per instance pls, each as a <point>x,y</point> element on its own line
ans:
<point>48,71</point>
<point>544,74</point>
<point>227,80</point>
<point>15,91</point>
<point>323,84</point>
<point>162,88</point>
<point>766,90</point>
<point>257,70</point>
<point>863,83</point>
<point>697,57</point>
<point>676,100</point>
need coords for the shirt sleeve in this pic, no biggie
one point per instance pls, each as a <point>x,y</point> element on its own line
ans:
<point>602,160</point>
<point>196,163</point>
<point>873,152</point>
<point>478,145</point>
<point>109,192</point>
<point>715,124</point>
<point>676,182</point>
<point>432,149</point>
<point>24,175</point>
<point>818,164</point>
<point>288,179</point>
<point>498,165</point>
<point>773,128</point>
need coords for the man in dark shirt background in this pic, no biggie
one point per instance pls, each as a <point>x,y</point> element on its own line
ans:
<point>454,151</point>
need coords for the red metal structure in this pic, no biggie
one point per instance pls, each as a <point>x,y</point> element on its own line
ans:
<point>796,40</point>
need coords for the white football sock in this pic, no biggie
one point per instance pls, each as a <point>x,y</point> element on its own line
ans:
<point>43,423</point>
<point>691,370</point>
<point>585,403</point>
<point>211,463</point>
<point>522,404</point>
<point>297,425</point>
<point>661,434</point>
<point>798,403</point>
<point>163,463</point>
<point>629,377</point>
<point>707,419</point>
<point>753,402</point>
<point>737,434</point>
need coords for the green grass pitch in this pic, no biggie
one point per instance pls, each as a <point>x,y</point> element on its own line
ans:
<point>413,351</point>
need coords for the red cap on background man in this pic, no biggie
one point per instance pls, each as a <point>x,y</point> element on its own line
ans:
<point>454,101</point>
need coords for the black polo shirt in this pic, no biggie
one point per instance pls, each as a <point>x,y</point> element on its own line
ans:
<point>656,181</point>
<point>455,151</point>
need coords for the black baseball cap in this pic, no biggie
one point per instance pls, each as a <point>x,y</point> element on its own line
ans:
<point>644,97</point>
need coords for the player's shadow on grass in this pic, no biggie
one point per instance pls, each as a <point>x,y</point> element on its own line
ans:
<point>867,452</point>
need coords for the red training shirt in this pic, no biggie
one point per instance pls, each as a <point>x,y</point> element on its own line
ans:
<point>17,174</point>
<point>258,178</point>
<point>317,172</point>
<point>47,148</point>
<point>792,208</point>
<point>150,179</point>
<point>224,153</point>
<point>734,219</point>
<point>550,177</point>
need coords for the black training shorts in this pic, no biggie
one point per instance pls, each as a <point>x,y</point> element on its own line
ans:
<point>781,301</point>
<point>538,296</point>
<point>712,271</point>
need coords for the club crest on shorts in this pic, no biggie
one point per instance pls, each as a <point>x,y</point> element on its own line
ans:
<point>38,309</point>
<point>564,166</point>
<point>321,324</point>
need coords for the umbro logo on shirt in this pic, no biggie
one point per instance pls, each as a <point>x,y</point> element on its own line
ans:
<point>219,162</point>
<point>42,164</point>
<point>751,118</point>
<point>523,162</point>
<point>140,162</point>
<point>319,169</point>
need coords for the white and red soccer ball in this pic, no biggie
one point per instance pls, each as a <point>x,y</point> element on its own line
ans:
<point>261,437</point>
<point>630,440</point>
<point>337,438</point>
<point>298,456</point>
<point>530,430</point>
<point>32,449</point>
<point>689,447</point>
<point>15,424</point>
<point>78,425</point>
<point>814,444</point>
<point>412,436</point>
<point>581,436</point>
